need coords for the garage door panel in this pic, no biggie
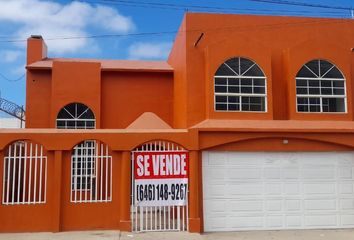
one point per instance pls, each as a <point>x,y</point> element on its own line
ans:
<point>346,188</point>
<point>319,188</point>
<point>247,191</point>
<point>292,188</point>
<point>345,172</point>
<point>245,159</point>
<point>321,221</point>
<point>274,206</point>
<point>216,206</point>
<point>273,188</point>
<point>244,189</point>
<point>274,222</point>
<point>347,220</point>
<point>272,173</point>
<point>291,173</point>
<point>293,221</point>
<point>215,173</point>
<point>346,204</point>
<point>216,191</point>
<point>293,205</point>
<point>244,173</point>
<point>320,204</point>
<point>318,172</point>
<point>246,222</point>
<point>215,159</point>
<point>216,222</point>
<point>246,205</point>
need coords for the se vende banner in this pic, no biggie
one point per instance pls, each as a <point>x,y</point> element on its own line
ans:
<point>161,178</point>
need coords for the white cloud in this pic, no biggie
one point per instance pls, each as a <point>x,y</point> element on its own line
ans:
<point>51,20</point>
<point>18,70</point>
<point>9,55</point>
<point>146,50</point>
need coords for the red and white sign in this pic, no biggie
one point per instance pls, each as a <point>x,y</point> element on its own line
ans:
<point>161,178</point>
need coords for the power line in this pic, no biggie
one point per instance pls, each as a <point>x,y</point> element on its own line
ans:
<point>285,2</point>
<point>12,80</point>
<point>212,9</point>
<point>95,36</point>
<point>230,28</point>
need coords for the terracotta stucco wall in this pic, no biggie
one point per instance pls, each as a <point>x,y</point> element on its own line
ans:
<point>280,45</point>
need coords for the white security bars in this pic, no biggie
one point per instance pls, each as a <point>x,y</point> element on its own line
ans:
<point>25,174</point>
<point>91,173</point>
<point>158,218</point>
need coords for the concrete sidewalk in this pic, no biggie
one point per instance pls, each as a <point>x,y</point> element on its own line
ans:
<point>251,235</point>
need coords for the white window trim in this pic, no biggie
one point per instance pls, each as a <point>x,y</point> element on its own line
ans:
<point>240,95</point>
<point>321,96</point>
<point>76,119</point>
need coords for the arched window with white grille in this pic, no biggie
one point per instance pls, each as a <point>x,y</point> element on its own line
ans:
<point>76,116</point>
<point>320,88</point>
<point>240,86</point>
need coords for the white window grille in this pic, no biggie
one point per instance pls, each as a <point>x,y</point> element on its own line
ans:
<point>25,174</point>
<point>320,87</point>
<point>91,164</point>
<point>76,116</point>
<point>157,218</point>
<point>240,86</point>
<point>91,173</point>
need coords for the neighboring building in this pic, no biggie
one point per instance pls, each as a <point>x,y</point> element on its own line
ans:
<point>263,105</point>
<point>10,122</point>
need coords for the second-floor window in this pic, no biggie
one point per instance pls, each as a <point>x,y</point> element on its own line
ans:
<point>240,86</point>
<point>76,116</point>
<point>320,87</point>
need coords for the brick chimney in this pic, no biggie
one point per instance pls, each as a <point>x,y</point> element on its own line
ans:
<point>36,49</point>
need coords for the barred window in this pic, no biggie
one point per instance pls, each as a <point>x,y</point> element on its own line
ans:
<point>25,173</point>
<point>76,116</point>
<point>240,86</point>
<point>83,166</point>
<point>320,87</point>
<point>91,172</point>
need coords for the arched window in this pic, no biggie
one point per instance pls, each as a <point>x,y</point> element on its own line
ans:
<point>76,116</point>
<point>240,85</point>
<point>320,87</point>
<point>91,164</point>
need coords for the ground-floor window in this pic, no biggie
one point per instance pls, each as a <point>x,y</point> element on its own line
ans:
<point>91,172</point>
<point>25,174</point>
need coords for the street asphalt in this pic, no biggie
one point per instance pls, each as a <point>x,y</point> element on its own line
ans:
<point>347,234</point>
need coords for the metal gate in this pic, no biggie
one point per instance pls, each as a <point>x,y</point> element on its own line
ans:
<point>157,218</point>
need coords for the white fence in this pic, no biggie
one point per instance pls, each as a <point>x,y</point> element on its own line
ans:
<point>25,174</point>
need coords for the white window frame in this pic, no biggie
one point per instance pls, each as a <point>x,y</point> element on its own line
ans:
<point>76,118</point>
<point>320,77</point>
<point>240,95</point>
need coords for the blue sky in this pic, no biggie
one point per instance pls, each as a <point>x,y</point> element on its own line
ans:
<point>64,18</point>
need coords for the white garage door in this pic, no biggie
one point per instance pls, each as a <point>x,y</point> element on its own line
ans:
<point>263,191</point>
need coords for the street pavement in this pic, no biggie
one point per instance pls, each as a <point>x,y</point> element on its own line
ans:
<point>347,234</point>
